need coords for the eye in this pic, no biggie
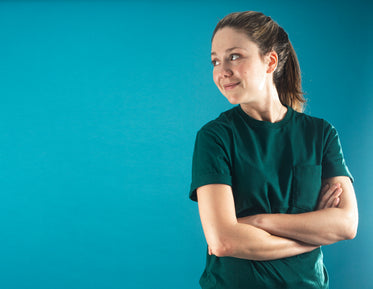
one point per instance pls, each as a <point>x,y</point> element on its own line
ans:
<point>234,56</point>
<point>215,62</point>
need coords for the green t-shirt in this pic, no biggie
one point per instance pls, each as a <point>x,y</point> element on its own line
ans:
<point>272,168</point>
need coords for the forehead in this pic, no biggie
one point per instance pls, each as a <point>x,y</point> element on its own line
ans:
<point>227,38</point>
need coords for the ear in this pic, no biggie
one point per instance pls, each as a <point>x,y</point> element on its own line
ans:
<point>272,58</point>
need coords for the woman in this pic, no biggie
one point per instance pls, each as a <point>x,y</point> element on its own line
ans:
<point>271,182</point>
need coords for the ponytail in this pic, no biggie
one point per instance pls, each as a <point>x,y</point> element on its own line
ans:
<point>289,83</point>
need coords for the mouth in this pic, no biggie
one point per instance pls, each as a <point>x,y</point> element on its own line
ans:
<point>231,85</point>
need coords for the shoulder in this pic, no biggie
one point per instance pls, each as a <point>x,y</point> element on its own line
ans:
<point>308,119</point>
<point>312,122</point>
<point>316,126</point>
<point>220,127</point>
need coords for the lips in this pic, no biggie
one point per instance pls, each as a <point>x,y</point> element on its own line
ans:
<point>230,86</point>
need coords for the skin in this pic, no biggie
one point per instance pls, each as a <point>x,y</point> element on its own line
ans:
<point>245,77</point>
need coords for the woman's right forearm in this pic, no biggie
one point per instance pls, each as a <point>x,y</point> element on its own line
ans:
<point>247,242</point>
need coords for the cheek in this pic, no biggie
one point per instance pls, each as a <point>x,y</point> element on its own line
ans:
<point>242,71</point>
<point>215,77</point>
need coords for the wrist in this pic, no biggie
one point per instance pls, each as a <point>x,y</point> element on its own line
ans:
<point>259,221</point>
<point>266,222</point>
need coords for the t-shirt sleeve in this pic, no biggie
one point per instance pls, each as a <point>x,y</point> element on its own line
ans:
<point>333,162</point>
<point>211,163</point>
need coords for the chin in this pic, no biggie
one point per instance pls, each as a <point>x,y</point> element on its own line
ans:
<point>234,100</point>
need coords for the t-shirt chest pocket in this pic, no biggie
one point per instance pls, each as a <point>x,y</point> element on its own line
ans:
<point>306,186</point>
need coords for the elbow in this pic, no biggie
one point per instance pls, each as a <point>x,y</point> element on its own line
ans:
<point>345,230</point>
<point>351,235</point>
<point>351,224</point>
<point>351,231</point>
<point>221,248</point>
<point>220,241</point>
<point>221,251</point>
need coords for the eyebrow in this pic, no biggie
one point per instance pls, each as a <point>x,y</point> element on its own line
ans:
<point>228,50</point>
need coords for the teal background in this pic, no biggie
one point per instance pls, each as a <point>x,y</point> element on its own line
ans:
<point>99,106</point>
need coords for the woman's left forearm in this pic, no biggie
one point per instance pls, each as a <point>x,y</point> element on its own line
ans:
<point>335,218</point>
<point>318,228</point>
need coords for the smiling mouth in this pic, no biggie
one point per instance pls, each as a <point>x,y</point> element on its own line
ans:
<point>231,86</point>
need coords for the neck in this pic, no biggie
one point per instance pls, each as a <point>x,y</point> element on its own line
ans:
<point>268,109</point>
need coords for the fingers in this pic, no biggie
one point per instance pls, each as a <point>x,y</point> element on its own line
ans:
<point>336,202</point>
<point>334,198</point>
<point>329,196</point>
<point>324,195</point>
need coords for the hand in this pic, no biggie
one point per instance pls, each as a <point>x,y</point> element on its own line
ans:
<point>329,196</point>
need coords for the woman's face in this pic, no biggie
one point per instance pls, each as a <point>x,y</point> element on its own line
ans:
<point>239,72</point>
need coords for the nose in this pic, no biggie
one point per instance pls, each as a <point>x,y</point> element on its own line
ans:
<point>226,70</point>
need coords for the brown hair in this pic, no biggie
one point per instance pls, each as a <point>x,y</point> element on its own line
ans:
<point>269,36</point>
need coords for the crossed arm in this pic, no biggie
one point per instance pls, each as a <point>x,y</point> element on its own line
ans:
<point>274,236</point>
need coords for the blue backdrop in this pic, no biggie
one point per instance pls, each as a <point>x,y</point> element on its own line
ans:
<point>100,104</point>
